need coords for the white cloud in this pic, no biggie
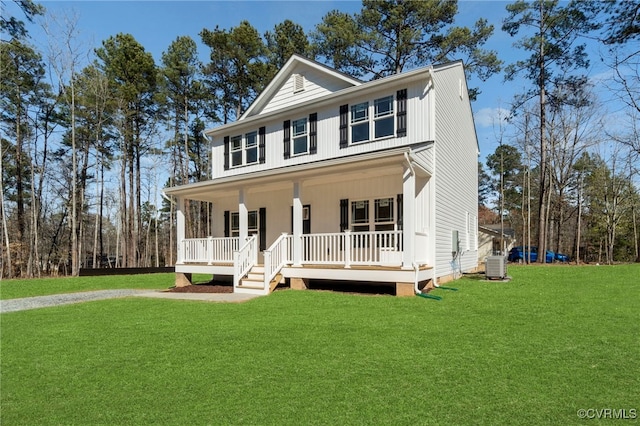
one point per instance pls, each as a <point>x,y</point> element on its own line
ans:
<point>488,117</point>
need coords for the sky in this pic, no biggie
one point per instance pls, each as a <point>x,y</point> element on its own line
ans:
<point>155,24</point>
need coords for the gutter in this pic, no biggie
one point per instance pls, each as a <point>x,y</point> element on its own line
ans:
<point>330,98</point>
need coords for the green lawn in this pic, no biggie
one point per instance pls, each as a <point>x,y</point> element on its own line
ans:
<point>535,350</point>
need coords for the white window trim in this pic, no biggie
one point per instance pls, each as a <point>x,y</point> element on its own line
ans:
<point>372,117</point>
<point>294,137</point>
<point>244,147</point>
<point>247,147</point>
<point>235,232</point>
<point>233,150</point>
<point>371,220</point>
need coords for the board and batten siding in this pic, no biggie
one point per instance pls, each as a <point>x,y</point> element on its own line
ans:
<point>419,129</point>
<point>456,171</point>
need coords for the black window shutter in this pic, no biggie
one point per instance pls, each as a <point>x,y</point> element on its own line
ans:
<point>344,215</point>
<point>344,126</point>
<point>263,228</point>
<point>226,152</point>
<point>313,133</point>
<point>401,98</point>
<point>261,144</point>
<point>286,127</point>
<point>400,212</point>
<point>227,224</point>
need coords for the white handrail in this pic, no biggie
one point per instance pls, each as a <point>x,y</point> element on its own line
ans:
<point>244,259</point>
<point>352,248</point>
<point>209,250</point>
<point>275,257</point>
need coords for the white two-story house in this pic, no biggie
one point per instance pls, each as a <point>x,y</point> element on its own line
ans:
<point>326,177</point>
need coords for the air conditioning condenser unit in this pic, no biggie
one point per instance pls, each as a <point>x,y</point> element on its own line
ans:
<point>496,267</point>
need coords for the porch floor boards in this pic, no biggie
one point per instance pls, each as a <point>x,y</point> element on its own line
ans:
<point>359,267</point>
<point>324,266</point>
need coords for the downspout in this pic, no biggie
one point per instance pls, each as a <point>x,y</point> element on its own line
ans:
<point>416,267</point>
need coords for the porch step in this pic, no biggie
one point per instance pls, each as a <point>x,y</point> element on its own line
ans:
<point>255,284</point>
<point>255,279</point>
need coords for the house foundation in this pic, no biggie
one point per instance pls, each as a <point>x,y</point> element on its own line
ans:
<point>404,289</point>
<point>183,279</point>
<point>299,283</point>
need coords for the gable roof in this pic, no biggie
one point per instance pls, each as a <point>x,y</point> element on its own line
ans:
<point>294,62</point>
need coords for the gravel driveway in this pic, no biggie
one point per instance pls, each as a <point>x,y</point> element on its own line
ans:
<point>12,305</point>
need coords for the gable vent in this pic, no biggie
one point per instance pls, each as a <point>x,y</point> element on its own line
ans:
<point>298,83</point>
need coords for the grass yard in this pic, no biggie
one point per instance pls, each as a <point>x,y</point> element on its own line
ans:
<point>554,340</point>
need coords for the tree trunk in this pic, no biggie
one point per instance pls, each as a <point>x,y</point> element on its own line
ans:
<point>5,231</point>
<point>542,219</point>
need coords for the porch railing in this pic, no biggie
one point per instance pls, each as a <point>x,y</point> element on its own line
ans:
<point>339,248</point>
<point>353,248</point>
<point>244,259</point>
<point>275,257</point>
<point>209,250</point>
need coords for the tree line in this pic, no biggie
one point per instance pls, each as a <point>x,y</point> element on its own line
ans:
<point>84,142</point>
<point>565,171</point>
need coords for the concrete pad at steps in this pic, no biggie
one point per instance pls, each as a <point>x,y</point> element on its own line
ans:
<point>206,297</point>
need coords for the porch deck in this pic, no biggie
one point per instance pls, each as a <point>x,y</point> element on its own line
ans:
<point>367,256</point>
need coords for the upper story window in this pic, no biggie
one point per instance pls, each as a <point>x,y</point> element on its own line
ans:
<point>382,125</point>
<point>242,150</point>
<point>251,147</point>
<point>300,137</point>
<point>383,117</point>
<point>375,119</point>
<point>360,122</point>
<point>236,151</point>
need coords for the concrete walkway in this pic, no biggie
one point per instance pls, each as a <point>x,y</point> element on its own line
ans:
<point>13,305</point>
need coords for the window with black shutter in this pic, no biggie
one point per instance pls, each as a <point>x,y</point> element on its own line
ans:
<point>261,144</point>
<point>344,215</point>
<point>344,126</point>
<point>401,117</point>
<point>226,152</point>
<point>313,133</point>
<point>227,223</point>
<point>286,127</point>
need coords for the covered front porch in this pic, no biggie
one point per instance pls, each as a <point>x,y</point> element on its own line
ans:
<point>360,219</point>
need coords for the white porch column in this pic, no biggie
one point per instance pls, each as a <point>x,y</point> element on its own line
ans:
<point>180,228</point>
<point>408,216</point>
<point>297,224</point>
<point>243,217</point>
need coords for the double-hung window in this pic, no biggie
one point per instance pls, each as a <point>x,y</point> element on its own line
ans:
<point>378,120</point>
<point>236,151</point>
<point>383,117</point>
<point>252,223</point>
<point>360,122</point>
<point>251,147</point>
<point>383,215</point>
<point>300,137</point>
<point>242,150</point>
<point>360,216</point>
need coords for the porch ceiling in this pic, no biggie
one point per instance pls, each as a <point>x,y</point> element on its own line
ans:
<point>361,166</point>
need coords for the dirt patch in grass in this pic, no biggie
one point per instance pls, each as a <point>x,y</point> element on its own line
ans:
<point>213,287</point>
